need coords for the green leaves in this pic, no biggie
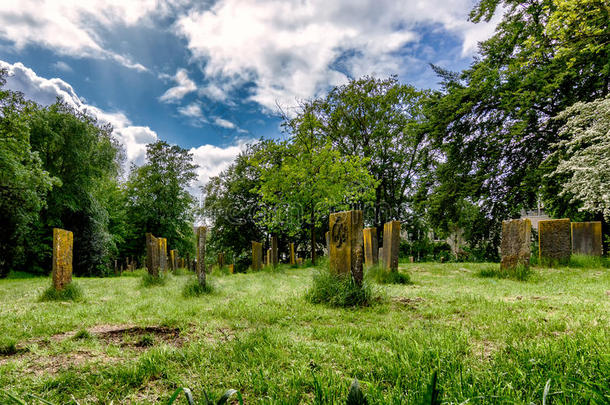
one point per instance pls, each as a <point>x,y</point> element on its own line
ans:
<point>355,395</point>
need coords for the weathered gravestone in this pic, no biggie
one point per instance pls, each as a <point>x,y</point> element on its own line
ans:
<point>152,255</point>
<point>292,257</point>
<point>274,251</point>
<point>268,262</point>
<point>63,242</point>
<point>182,263</point>
<point>515,247</point>
<point>587,238</point>
<point>221,260</point>
<point>173,259</point>
<point>371,246</point>
<point>163,254</point>
<point>391,243</point>
<point>554,241</point>
<point>346,250</point>
<point>232,268</point>
<point>257,255</point>
<point>200,270</point>
<point>299,261</point>
<point>380,256</point>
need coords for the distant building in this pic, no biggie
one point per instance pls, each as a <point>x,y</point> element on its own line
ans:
<point>535,216</point>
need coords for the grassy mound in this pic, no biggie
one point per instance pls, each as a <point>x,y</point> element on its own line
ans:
<point>338,291</point>
<point>72,292</point>
<point>193,289</point>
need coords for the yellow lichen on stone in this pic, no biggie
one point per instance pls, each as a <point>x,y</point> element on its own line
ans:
<point>587,238</point>
<point>554,240</point>
<point>257,255</point>
<point>62,258</point>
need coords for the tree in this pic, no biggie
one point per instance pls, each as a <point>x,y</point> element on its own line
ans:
<point>158,200</point>
<point>23,181</point>
<point>379,120</point>
<point>585,155</point>
<point>304,178</point>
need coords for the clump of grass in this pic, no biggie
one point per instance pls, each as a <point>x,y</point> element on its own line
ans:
<point>82,334</point>
<point>588,262</point>
<point>519,273</point>
<point>146,340</point>
<point>182,272</point>
<point>339,291</point>
<point>194,289</point>
<point>71,292</point>
<point>8,349</point>
<point>152,281</point>
<point>384,276</point>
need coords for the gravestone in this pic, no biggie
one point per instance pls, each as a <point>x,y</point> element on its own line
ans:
<point>63,242</point>
<point>182,263</point>
<point>274,251</point>
<point>152,255</point>
<point>292,256</point>
<point>380,256</point>
<point>221,260</point>
<point>163,254</point>
<point>411,259</point>
<point>371,246</point>
<point>346,250</point>
<point>231,268</point>
<point>587,238</point>
<point>299,261</point>
<point>391,243</point>
<point>257,255</point>
<point>172,259</point>
<point>200,270</point>
<point>268,262</point>
<point>515,247</point>
<point>554,241</point>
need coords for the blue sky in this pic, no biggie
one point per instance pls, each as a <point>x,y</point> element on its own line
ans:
<point>210,75</point>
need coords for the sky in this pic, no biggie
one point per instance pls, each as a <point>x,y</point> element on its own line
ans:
<point>211,76</point>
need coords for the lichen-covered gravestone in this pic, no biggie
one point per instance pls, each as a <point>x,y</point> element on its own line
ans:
<point>163,254</point>
<point>587,238</point>
<point>292,257</point>
<point>371,246</point>
<point>380,256</point>
<point>346,250</point>
<point>515,247</point>
<point>257,255</point>
<point>268,257</point>
<point>152,255</point>
<point>221,260</point>
<point>391,243</point>
<point>554,241</point>
<point>274,251</point>
<point>62,258</point>
<point>200,269</point>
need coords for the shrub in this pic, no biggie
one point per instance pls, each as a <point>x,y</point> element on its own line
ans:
<point>194,289</point>
<point>384,276</point>
<point>71,292</point>
<point>520,273</point>
<point>152,281</point>
<point>242,262</point>
<point>338,291</point>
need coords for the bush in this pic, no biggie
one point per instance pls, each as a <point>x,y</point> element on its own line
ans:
<point>71,292</point>
<point>194,289</point>
<point>243,262</point>
<point>384,276</point>
<point>338,291</point>
<point>520,273</point>
<point>152,281</point>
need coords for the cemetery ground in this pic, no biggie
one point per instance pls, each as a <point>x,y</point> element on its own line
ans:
<point>492,340</point>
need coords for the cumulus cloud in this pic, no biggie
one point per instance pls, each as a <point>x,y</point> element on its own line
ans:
<point>184,85</point>
<point>224,123</point>
<point>134,138</point>
<point>62,66</point>
<point>292,49</point>
<point>67,26</point>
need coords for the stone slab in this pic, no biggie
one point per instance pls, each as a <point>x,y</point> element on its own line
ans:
<point>391,244</point>
<point>257,255</point>
<point>200,270</point>
<point>292,256</point>
<point>554,240</point>
<point>587,238</point>
<point>152,255</point>
<point>346,240</point>
<point>371,246</point>
<point>515,248</point>
<point>63,248</point>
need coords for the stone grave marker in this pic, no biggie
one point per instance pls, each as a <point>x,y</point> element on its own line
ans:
<point>292,257</point>
<point>554,241</point>
<point>346,250</point>
<point>391,243</point>
<point>257,255</point>
<point>515,247</point>
<point>380,256</point>
<point>63,242</point>
<point>274,251</point>
<point>587,238</point>
<point>152,255</point>
<point>201,239</point>
<point>371,246</point>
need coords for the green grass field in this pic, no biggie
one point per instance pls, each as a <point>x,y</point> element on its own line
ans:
<point>492,340</point>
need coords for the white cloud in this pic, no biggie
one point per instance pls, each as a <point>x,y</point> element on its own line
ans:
<point>184,86</point>
<point>192,110</point>
<point>62,66</point>
<point>67,26</point>
<point>224,123</point>
<point>134,138</point>
<point>290,50</point>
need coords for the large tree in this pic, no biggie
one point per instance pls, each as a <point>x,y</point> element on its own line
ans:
<point>158,198</point>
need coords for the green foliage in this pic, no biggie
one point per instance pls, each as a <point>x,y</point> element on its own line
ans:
<point>194,289</point>
<point>8,349</point>
<point>589,262</point>
<point>384,276</point>
<point>149,280</point>
<point>158,200</point>
<point>207,399</point>
<point>519,272</point>
<point>71,292</point>
<point>355,395</point>
<point>82,334</point>
<point>338,291</point>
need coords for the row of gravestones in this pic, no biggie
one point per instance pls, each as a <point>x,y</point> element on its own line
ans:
<point>558,239</point>
<point>272,256</point>
<point>158,260</point>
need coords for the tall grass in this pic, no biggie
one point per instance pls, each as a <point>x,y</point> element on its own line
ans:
<point>149,280</point>
<point>519,272</point>
<point>589,262</point>
<point>193,289</point>
<point>71,292</point>
<point>385,276</point>
<point>339,290</point>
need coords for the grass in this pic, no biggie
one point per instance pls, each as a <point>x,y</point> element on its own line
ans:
<point>519,273</point>
<point>149,280</point>
<point>339,290</point>
<point>384,276</point>
<point>71,292</point>
<point>193,289</point>
<point>589,262</point>
<point>492,340</point>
